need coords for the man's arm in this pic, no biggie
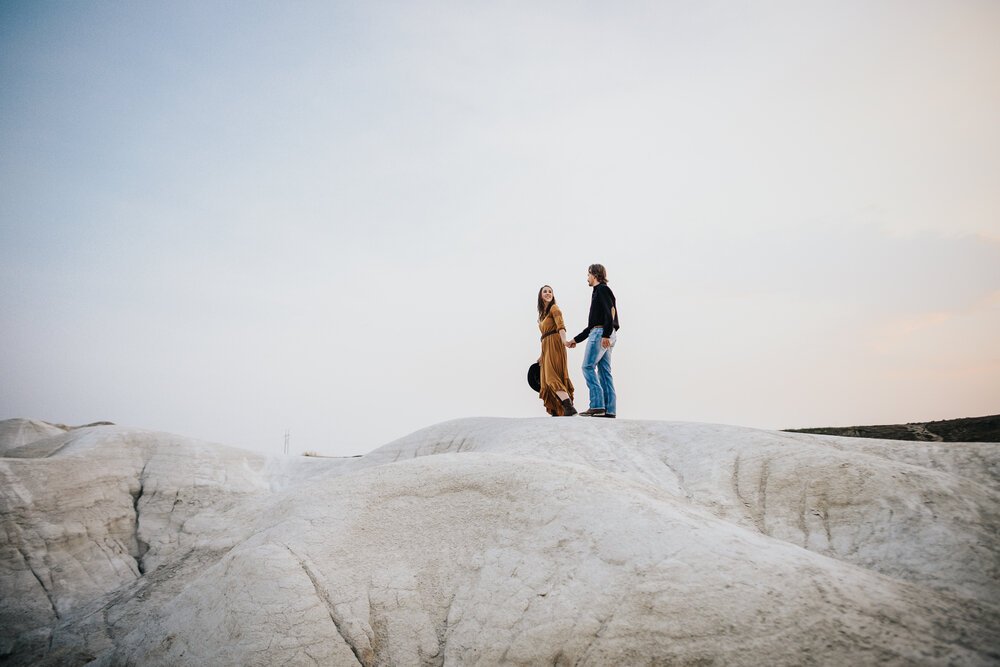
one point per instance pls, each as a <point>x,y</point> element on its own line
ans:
<point>607,312</point>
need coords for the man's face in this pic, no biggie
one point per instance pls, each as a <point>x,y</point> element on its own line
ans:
<point>591,280</point>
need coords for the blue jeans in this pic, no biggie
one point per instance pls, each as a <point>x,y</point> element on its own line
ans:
<point>597,371</point>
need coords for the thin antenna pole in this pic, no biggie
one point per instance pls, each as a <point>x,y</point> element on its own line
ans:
<point>287,436</point>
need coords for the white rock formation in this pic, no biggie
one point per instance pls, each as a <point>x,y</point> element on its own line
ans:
<point>17,432</point>
<point>502,541</point>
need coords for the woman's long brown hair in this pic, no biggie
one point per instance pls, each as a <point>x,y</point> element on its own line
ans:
<point>543,308</point>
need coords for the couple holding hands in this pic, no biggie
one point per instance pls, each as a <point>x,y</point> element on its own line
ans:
<point>601,333</point>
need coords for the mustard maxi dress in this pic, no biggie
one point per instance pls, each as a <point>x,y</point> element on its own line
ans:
<point>554,366</point>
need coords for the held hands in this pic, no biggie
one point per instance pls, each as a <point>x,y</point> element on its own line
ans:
<point>570,344</point>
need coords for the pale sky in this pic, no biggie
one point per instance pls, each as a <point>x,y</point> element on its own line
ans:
<point>229,219</point>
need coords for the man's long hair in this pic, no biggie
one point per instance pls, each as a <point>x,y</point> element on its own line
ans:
<point>544,308</point>
<point>599,272</point>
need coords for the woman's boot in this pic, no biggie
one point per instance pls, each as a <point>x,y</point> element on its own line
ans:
<point>568,409</point>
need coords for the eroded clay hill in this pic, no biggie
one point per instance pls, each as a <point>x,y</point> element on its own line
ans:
<point>500,541</point>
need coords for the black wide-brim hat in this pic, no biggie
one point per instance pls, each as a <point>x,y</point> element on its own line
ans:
<point>535,376</point>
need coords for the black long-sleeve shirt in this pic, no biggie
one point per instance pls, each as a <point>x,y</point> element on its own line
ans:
<point>603,312</point>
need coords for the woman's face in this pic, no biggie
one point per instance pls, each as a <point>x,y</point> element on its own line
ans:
<point>546,294</point>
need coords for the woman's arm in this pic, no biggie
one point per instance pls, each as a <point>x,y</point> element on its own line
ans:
<point>560,324</point>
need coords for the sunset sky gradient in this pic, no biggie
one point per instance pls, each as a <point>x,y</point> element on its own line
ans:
<point>229,219</point>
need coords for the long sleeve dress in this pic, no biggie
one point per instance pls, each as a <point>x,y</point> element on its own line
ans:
<point>554,366</point>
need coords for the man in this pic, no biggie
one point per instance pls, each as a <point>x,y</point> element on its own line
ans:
<point>600,334</point>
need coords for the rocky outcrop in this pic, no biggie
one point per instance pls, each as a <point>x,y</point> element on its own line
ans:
<point>17,432</point>
<point>503,541</point>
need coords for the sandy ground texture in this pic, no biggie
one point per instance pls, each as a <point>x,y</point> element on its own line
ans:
<point>500,541</point>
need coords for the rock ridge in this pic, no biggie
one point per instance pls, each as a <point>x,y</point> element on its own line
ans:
<point>501,541</point>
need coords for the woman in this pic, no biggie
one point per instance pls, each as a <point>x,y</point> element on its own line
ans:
<point>557,389</point>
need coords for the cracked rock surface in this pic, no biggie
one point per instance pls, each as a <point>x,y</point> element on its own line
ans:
<point>500,541</point>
